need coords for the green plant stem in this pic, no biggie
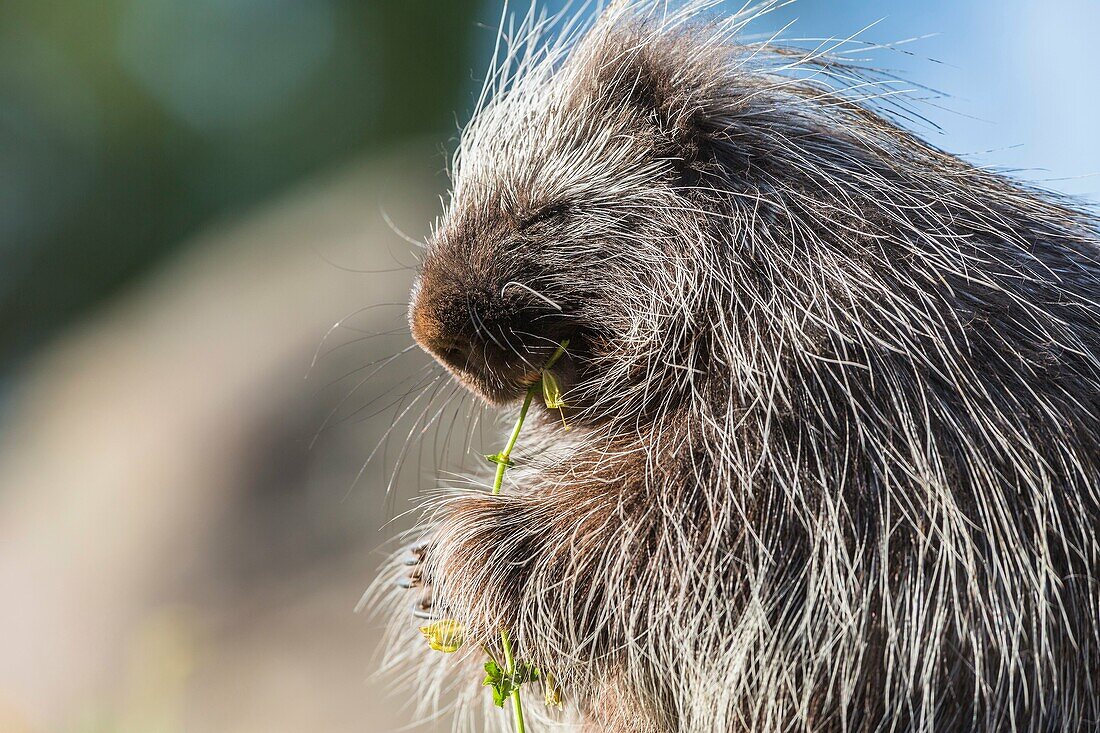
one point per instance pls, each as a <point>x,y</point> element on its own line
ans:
<point>510,664</point>
<point>498,482</point>
<point>502,464</point>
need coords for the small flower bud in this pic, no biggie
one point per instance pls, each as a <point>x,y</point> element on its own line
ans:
<point>551,692</point>
<point>551,391</point>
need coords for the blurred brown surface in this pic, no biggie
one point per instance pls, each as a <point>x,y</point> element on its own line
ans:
<point>177,552</point>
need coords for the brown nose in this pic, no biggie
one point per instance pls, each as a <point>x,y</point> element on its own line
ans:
<point>446,341</point>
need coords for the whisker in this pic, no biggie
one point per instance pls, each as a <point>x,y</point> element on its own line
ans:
<point>532,291</point>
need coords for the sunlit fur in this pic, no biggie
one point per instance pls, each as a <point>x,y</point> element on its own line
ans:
<point>835,456</point>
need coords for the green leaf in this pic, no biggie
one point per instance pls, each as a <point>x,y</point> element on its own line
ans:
<point>499,458</point>
<point>499,681</point>
<point>504,685</point>
<point>493,673</point>
<point>526,672</point>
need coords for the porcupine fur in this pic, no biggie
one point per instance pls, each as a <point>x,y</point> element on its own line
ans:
<point>834,397</point>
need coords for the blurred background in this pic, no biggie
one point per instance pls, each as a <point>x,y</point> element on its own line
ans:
<point>192,194</point>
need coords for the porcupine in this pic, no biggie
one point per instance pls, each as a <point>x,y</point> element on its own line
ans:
<point>834,397</point>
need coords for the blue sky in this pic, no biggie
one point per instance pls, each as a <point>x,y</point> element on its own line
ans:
<point>1020,78</point>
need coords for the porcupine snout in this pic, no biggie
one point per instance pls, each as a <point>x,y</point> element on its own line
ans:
<point>491,331</point>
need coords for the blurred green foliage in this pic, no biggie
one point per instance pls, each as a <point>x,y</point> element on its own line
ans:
<point>126,125</point>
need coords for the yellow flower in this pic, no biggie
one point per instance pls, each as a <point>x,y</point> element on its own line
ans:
<point>445,635</point>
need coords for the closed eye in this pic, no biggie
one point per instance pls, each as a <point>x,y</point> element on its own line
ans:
<point>543,215</point>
